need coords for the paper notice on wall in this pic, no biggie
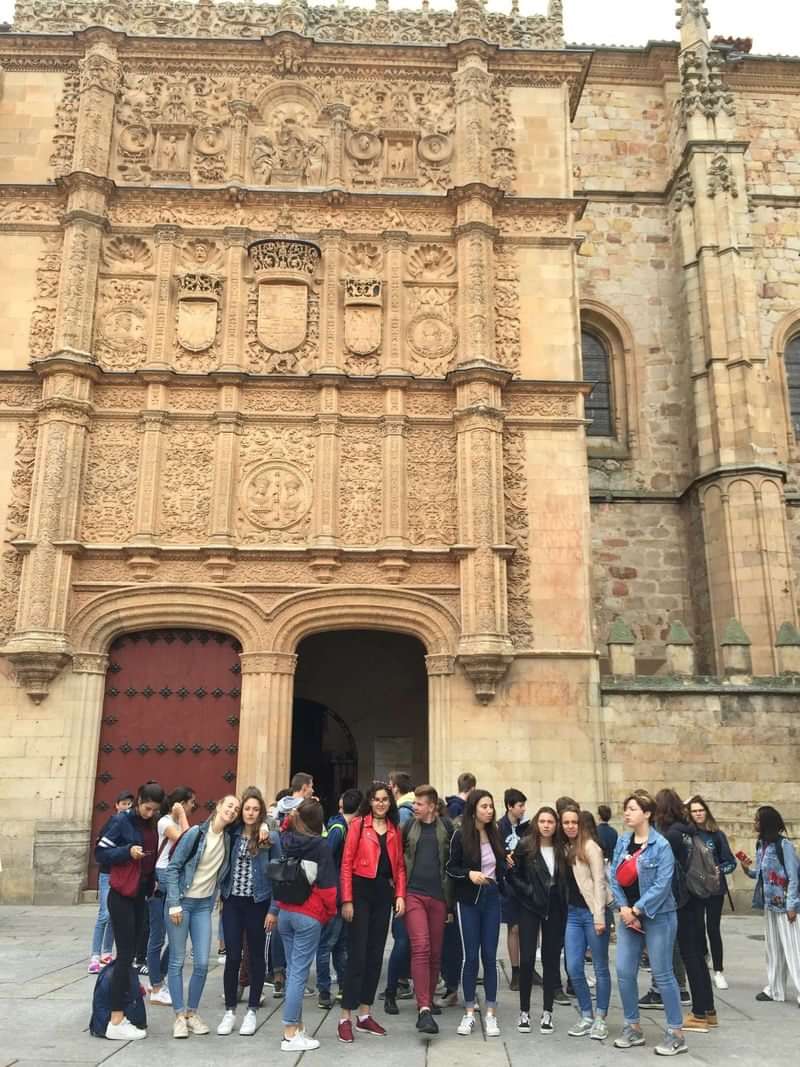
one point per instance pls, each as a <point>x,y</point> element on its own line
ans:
<point>391,754</point>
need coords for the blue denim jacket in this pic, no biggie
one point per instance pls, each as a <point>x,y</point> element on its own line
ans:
<point>656,864</point>
<point>182,865</point>
<point>262,887</point>
<point>771,890</point>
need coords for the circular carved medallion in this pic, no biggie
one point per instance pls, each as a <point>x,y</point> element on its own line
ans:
<point>123,328</point>
<point>432,335</point>
<point>135,138</point>
<point>276,495</point>
<point>363,146</point>
<point>209,141</point>
<point>435,148</point>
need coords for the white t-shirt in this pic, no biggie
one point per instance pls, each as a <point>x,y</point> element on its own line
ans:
<point>204,883</point>
<point>164,854</point>
<point>549,857</point>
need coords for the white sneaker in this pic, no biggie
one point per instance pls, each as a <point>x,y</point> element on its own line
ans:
<point>720,981</point>
<point>524,1024</point>
<point>248,1027</point>
<point>226,1025</point>
<point>124,1031</point>
<point>161,997</point>
<point>467,1025</point>
<point>196,1024</point>
<point>179,1027</point>
<point>301,1042</point>
<point>492,1027</point>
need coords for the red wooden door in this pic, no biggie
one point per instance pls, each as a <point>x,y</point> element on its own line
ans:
<point>170,713</point>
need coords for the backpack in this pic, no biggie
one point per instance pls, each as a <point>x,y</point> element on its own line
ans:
<point>101,1002</point>
<point>702,876</point>
<point>289,882</point>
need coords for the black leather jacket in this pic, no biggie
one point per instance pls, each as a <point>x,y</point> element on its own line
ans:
<point>530,880</point>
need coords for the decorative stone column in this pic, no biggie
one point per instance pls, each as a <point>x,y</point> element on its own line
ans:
<point>236,239</point>
<point>485,649</point>
<point>239,110</point>
<point>473,88</point>
<point>100,80</point>
<point>440,737</point>
<point>325,550</point>
<point>395,242</point>
<point>265,720</point>
<point>167,238</point>
<point>338,113</point>
<point>330,316</point>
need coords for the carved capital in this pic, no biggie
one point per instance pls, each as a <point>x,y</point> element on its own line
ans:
<point>89,663</point>
<point>268,662</point>
<point>440,664</point>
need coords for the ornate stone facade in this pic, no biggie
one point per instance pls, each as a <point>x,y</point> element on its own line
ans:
<point>292,344</point>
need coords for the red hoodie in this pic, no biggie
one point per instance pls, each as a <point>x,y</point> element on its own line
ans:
<point>321,904</point>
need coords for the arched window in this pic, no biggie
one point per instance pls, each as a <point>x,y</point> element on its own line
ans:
<point>791,360</point>
<point>599,405</point>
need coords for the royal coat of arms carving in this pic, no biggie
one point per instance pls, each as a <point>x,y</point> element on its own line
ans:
<point>198,309</point>
<point>284,270</point>
<point>363,317</point>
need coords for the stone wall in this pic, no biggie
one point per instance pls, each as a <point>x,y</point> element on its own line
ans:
<point>736,746</point>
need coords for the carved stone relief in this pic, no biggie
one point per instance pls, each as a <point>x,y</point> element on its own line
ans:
<point>506,308</point>
<point>198,321</point>
<point>431,332</point>
<point>515,489</point>
<point>16,522</point>
<point>124,254</point>
<point>289,146</point>
<point>109,493</point>
<point>432,505</point>
<point>360,485</point>
<point>66,125</point>
<point>42,329</point>
<point>275,486</point>
<point>186,477</point>
<point>122,322</point>
<point>363,324</point>
<point>283,309</point>
<point>504,168</point>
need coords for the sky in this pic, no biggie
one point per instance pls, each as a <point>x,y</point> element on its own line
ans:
<point>774,25</point>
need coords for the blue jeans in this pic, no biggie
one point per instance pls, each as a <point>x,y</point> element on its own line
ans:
<point>659,937</point>
<point>579,936</point>
<point>399,965</point>
<point>157,962</point>
<point>195,923</point>
<point>277,953</point>
<point>332,943</point>
<point>301,936</point>
<point>480,931</point>
<point>103,936</point>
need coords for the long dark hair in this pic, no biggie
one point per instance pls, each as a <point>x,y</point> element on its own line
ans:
<point>770,824</point>
<point>669,809</point>
<point>575,848</point>
<point>470,835</point>
<point>531,843</point>
<point>711,823</point>
<point>179,795</point>
<point>392,814</point>
<point>252,832</point>
<point>152,793</point>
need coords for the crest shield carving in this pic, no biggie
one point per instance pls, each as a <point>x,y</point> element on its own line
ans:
<point>363,316</point>
<point>198,307</point>
<point>282,315</point>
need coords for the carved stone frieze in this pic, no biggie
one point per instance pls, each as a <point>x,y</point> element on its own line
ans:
<point>431,330</point>
<point>431,262</point>
<point>130,398</point>
<point>507,345</point>
<point>503,161</point>
<point>109,493</point>
<point>431,466</point>
<point>684,194</point>
<point>276,474</point>
<point>16,523</point>
<point>258,401</point>
<point>360,485</point>
<point>721,178</point>
<point>43,319</point>
<point>703,87</point>
<point>515,489</point>
<point>186,476</point>
<point>251,19</point>
<point>66,124</point>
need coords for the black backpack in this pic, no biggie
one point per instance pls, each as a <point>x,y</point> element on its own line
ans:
<point>289,882</point>
<point>702,876</point>
<point>101,1002</point>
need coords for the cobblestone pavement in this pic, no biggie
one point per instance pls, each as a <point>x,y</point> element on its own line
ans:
<point>45,995</point>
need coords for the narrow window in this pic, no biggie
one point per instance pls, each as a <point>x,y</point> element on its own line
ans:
<point>597,370</point>
<point>791,357</point>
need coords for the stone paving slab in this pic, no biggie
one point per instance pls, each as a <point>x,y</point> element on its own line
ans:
<point>45,996</point>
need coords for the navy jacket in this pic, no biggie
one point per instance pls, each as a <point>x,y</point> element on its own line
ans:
<point>119,834</point>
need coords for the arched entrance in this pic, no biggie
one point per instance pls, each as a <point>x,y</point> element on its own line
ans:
<point>171,711</point>
<point>360,709</point>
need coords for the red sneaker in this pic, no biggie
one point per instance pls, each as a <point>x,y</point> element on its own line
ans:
<point>369,1026</point>
<point>345,1031</point>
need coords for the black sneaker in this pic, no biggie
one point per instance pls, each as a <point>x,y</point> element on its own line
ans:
<point>651,1001</point>
<point>763,996</point>
<point>426,1024</point>
<point>279,986</point>
<point>686,996</point>
<point>390,1004</point>
<point>436,1009</point>
<point>562,998</point>
<point>404,990</point>
<point>325,1000</point>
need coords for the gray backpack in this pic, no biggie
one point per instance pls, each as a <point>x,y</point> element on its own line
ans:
<point>702,876</point>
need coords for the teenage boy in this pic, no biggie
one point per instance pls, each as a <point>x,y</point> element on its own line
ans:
<point>333,942</point>
<point>455,804</point>
<point>302,788</point>
<point>606,833</point>
<point>429,898</point>
<point>399,966</point>
<point>512,826</point>
<point>403,790</point>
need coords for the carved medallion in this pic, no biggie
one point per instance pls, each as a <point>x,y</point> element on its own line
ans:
<point>123,330</point>
<point>275,495</point>
<point>127,253</point>
<point>363,146</point>
<point>432,335</point>
<point>435,148</point>
<point>198,307</point>
<point>282,315</point>
<point>362,315</point>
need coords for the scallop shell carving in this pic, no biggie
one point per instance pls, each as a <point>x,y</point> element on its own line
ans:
<point>128,253</point>
<point>427,262</point>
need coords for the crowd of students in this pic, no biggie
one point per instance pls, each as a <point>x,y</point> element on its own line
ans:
<point>444,874</point>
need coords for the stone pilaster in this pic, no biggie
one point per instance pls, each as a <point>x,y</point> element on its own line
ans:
<point>239,110</point>
<point>395,243</point>
<point>167,238</point>
<point>223,496</point>
<point>265,720</point>
<point>473,88</point>
<point>330,325</point>
<point>440,714</point>
<point>474,241</point>
<point>236,240</point>
<point>339,114</point>
<point>325,513</point>
<point>100,79</point>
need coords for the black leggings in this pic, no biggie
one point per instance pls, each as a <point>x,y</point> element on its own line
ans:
<point>552,929</point>
<point>244,918</point>
<point>372,910</point>
<point>713,916</point>
<point>692,942</point>
<point>127,917</point>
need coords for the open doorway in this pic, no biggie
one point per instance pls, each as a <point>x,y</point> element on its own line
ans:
<point>360,710</point>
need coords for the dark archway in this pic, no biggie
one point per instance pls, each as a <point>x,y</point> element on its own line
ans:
<point>360,709</point>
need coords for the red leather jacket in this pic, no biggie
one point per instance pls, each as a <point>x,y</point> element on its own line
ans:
<point>362,851</point>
